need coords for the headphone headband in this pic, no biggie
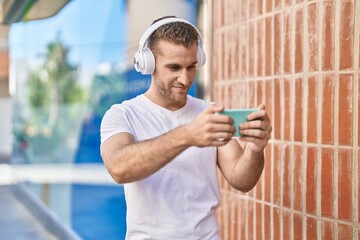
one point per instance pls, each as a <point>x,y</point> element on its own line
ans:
<point>144,60</point>
<point>160,23</point>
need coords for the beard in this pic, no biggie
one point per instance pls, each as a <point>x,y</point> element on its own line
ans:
<point>173,92</point>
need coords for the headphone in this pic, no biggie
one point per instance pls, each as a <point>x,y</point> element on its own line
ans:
<point>144,60</point>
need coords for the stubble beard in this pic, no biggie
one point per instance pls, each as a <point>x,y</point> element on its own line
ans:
<point>169,94</point>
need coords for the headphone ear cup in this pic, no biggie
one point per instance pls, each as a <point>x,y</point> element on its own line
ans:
<point>144,61</point>
<point>201,57</point>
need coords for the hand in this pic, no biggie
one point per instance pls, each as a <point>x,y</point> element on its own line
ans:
<point>210,128</point>
<point>257,130</point>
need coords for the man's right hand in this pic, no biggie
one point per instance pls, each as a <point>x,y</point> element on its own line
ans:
<point>210,128</point>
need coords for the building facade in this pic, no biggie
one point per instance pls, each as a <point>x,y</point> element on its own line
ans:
<point>300,58</point>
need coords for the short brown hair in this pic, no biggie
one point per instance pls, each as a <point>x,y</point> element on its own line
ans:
<point>175,32</point>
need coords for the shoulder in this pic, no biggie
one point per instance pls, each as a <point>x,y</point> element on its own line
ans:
<point>197,103</point>
<point>124,107</point>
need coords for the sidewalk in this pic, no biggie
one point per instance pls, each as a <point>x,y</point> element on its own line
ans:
<point>23,216</point>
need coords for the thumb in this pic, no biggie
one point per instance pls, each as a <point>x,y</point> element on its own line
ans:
<point>214,108</point>
<point>261,106</point>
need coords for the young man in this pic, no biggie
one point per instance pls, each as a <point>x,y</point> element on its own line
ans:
<point>165,145</point>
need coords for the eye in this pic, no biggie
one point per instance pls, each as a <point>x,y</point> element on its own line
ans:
<point>174,68</point>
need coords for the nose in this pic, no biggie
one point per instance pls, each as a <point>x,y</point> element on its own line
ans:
<point>184,77</point>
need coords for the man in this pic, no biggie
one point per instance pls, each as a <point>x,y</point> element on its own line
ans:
<point>165,145</point>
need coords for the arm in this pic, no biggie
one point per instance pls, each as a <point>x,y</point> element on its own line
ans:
<point>242,160</point>
<point>128,161</point>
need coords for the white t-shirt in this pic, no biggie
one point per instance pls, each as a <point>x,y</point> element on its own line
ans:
<point>178,201</point>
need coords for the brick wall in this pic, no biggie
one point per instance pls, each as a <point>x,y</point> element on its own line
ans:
<point>301,58</point>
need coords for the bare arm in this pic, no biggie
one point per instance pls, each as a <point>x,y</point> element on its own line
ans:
<point>128,161</point>
<point>242,160</point>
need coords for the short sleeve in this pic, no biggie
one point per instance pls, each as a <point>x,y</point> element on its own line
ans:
<point>113,122</point>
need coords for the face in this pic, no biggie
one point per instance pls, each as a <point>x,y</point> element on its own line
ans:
<point>174,74</point>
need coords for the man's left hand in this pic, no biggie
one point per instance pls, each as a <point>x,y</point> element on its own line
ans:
<point>257,130</point>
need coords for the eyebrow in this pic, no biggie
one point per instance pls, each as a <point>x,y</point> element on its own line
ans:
<point>178,65</point>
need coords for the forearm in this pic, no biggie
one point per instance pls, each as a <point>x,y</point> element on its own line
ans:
<point>139,160</point>
<point>247,170</point>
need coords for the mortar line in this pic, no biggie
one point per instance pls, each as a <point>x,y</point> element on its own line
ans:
<point>355,190</point>
<point>292,118</point>
<point>319,123</point>
<point>305,112</point>
<point>336,115</point>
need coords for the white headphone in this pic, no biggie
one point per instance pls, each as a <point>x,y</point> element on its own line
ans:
<point>144,60</point>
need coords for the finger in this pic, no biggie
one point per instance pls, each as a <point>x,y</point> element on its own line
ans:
<point>223,119</point>
<point>256,124</point>
<point>214,109</point>
<point>255,133</point>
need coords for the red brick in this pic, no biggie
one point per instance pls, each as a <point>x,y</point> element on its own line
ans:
<point>298,181</point>
<point>277,4</point>
<point>252,9</point>
<point>260,6</point>
<point>327,182</point>
<point>260,48</point>
<point>327,230</point>
<point>258,188</point>
<point>312,129</point>
<point>311,180</point>
<point>276,226</point>
<point>277,174</point>
<point>299,40</point>
<point>287,177</point>
<point>345,109</point>
<point>328,44</point>
<point>251,50</point>
<point>346,35</point>
<point>311,228</point>
<point>235,223</point>
<point>229,211</point>
<point>287,2</point>
<point>223,56</point>
<point>313,36</point>
<point>287,109</point>
<point>244,10</point>
<point>251,91</point>
<point>298,128</point>
<point>345,231</point>
<point>269,6</point>
<point>259,221</point>
<point>232,53</point>
<point>288,58</point>
<point>328,110</point>
<point>278,31</point>
<point>286,224</point>
<point>243,49</point>
<point>267,176</point>
<point>250,219</point>
<point>298,226</point>
<point>345,184</point>
<point>276,123</point>
<point>268,44</point>
<point>260,85</point>
<point>216,58</point>
<point>268,224</point>
<point>269,85</point>
<point>243,219</point>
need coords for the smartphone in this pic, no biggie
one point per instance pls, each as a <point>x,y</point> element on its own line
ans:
<point>239,116</point>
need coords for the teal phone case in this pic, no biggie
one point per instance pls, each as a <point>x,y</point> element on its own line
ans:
<point>239,116</point>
